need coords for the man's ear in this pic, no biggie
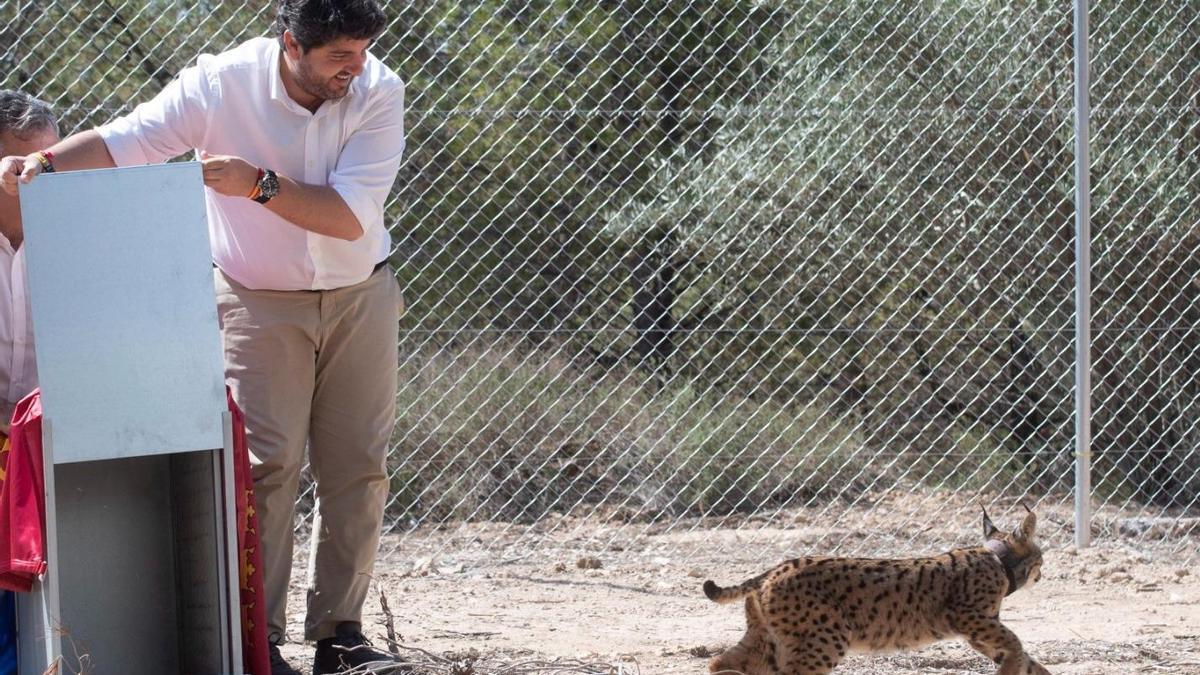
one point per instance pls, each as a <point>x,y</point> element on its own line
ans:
<point>989,529</point>
<point>292,46</point>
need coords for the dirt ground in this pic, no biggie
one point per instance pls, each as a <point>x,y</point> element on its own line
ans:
<point>493,598</point>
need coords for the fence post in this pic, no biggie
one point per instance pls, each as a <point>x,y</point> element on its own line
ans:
<point>1083,283</point>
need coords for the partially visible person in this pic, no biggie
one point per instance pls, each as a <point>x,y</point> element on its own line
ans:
<point>26,126</point>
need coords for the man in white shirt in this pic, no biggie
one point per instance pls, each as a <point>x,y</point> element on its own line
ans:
<point>301,137</point>
<point>26,126</point>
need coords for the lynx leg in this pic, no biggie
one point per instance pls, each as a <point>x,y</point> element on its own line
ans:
<point>994,640</point>
<point>754,654</point>
<point>740,661</point>
<point>746,658</point>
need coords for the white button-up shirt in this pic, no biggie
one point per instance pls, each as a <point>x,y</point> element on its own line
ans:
<point>18,366</point>
<point>234,103</point>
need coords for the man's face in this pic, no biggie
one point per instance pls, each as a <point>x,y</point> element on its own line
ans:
<point>326,71</point>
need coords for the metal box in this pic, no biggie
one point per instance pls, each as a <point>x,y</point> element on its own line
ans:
<point>137,438</point>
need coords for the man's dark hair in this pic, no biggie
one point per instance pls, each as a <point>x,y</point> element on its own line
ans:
<point>22,114</point>
<point>318,22</point>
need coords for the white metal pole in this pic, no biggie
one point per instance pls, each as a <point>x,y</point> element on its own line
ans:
<point>1083,284</point>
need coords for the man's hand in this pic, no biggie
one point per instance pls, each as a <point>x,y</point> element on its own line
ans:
<point>229,175</point>
<point>15,169</point>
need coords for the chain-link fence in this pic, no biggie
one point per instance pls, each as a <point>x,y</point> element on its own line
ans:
<point>673,265</point>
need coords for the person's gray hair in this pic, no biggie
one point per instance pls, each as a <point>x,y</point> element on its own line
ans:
<point>22,114</point>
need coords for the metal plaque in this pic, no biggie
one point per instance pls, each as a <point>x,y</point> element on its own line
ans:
<point>124,311</point>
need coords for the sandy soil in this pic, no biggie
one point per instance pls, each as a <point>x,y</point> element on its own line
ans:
<point>636,607</point>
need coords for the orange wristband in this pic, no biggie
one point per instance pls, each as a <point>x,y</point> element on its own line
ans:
<point>256,190</point>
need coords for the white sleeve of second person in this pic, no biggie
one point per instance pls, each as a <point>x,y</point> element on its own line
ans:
<point>370,159</point>
<point>166,126</point>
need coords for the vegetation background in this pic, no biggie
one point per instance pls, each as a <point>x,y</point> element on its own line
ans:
<point>681,258</point>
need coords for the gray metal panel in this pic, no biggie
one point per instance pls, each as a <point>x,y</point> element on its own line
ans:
<point>144,566</point>
<point>124,311</point>
<point>229,568</point>
<point>199,523</point>
<point>117,568</point>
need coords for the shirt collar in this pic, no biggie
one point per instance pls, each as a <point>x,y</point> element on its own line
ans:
<point>6,245</point>
<point>357,86</point>
<point>274,79</point>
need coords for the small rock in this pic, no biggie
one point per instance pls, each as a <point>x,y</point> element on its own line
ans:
<point>695,573</point>
<point>589,562</point>
<point>560,567</point>
<point>701,651</point>
<point>423,567</point>
<point>1181,573</point>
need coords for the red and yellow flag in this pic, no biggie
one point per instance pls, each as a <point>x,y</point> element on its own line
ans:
<point>22,518</point>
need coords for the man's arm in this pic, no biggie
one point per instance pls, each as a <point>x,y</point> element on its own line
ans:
<point>164,127</point>
<point>353,201</point>
<point>316,208</point>
<point>84,150</point>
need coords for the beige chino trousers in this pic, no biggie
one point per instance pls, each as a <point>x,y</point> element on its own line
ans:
<point>316,369</point>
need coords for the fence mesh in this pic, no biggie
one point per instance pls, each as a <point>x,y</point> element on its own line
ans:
<point>755,264</point>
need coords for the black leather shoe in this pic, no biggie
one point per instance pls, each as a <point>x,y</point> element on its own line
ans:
<point>348,650</point>
<point>280,666</point>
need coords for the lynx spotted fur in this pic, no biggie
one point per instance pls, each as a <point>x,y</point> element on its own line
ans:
<point>805,615</point>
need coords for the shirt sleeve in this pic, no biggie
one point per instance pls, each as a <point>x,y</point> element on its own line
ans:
<point>166,126</point>
<point>367,165</point>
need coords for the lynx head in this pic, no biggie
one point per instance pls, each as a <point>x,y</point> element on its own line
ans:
<point>1018,551</point>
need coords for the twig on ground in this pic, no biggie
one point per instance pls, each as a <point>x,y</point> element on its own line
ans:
<point>446,632</point>
<point>83,659</point>
<point>389,623</point>
<point>424,662</point>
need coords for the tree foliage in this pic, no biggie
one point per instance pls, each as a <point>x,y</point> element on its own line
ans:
<point>863,205</point>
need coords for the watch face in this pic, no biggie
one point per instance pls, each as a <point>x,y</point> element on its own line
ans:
<point>270,183</point>
<point>268,187</point>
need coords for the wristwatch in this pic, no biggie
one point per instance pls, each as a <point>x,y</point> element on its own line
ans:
<point>268,186</point>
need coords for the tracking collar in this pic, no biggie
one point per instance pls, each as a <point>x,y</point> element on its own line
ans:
<point>1015,569</point>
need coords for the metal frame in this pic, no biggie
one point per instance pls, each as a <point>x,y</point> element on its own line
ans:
<point>1083,285</point>
<point>40,612</point>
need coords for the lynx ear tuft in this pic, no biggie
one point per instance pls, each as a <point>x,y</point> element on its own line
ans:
<point>1028,525</point>
<point>989,529</point>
